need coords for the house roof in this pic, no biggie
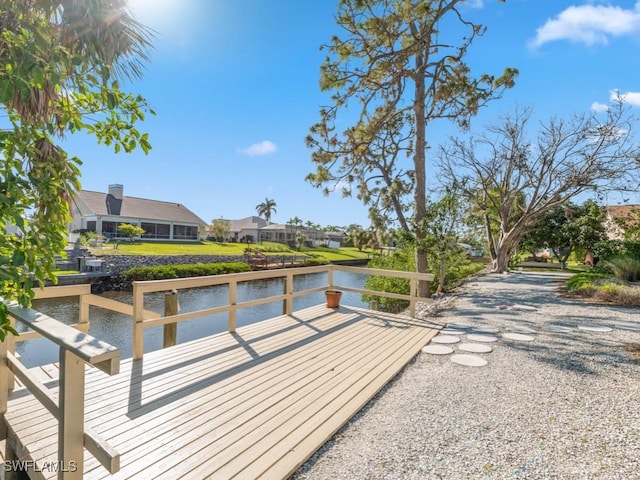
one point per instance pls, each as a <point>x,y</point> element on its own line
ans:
<point>629,212</point>
<point>98,203</point>
<point>247,223</point>
<point>275,226</point>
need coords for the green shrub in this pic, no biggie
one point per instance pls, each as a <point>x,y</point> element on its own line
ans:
<point>163,272</point>
<point>402,260</point>
<point>274,248</point>
<point>585,282</point>
<point>87,236</point>
<point>458,268</point>
<point>312,262</point>
<point>604,288</point>
<point>625,267</point>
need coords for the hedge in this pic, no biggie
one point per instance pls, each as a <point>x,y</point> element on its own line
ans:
<point>162,272</point>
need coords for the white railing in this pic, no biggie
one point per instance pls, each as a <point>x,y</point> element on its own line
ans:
<point>142,321</point>
<point>76,350</point>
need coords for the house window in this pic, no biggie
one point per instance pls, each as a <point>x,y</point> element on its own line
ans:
<point>110,229</point>
<point>91,226</point>
<point>185,232</point>
<point>156,230</point>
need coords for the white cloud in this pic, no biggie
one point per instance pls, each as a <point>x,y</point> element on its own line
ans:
<point>341,186</point>
<point>263,148</point>
<point>589,24</point>
<point>599,107</point>
<point>630,98</point>
<point>475,3</point>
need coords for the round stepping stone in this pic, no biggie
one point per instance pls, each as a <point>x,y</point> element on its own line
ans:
<point>437,349</point>
<point>452,331</point>
<point>486,329</point>
<point>595,328</point>
<point>628,326</point>
<point>475,348</point>
<point>445,339</point>
<point>478,337</point>
<point>523,308</point>
<point>459,326</point>
<point>523,330</point>
<point>557,328</point>
<point>518,336</point>
<point>468,360</point>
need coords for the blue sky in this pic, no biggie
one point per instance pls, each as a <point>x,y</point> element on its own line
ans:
<point>235,87</point>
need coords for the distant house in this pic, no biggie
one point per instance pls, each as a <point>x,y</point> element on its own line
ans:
<point>277,232</point>
<point>256,229</point>
<point>246,229</point>
<point>617,215</point>
<point>103,212</point>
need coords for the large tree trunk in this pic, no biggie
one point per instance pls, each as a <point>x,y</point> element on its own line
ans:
<point>490,239</point>
<point>420,194</point>
<point>501,263</point>
<point>505,248</point>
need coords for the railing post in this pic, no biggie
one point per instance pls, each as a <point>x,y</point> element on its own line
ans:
<point>5,373</point>
<point>6,384</point>
<point>413,291</point>
<point>11,348</point>
<point>330,276</point>
<point>138,317</point>
<point>83,315</point>
<point>288,291</point>
<point>171,307</point>
<point>233,301</point>
<point>71,421</point>
<point>284,292</point>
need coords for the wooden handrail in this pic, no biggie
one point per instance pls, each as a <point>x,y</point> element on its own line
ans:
<point>142,321</point>
<point>89,349</point>
<point>76,350</point>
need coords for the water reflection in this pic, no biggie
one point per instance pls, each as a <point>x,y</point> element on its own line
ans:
<point>117,329</point>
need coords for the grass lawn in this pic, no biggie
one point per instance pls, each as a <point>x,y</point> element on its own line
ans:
<point>214,248</point>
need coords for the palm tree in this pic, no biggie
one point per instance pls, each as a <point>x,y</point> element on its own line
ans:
<point>266,208</point>
<point>111,42</point>
<point>296,221</point>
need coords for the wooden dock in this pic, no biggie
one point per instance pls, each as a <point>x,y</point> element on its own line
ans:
<point>256,403</point>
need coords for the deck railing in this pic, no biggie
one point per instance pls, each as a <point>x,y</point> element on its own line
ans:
<point>76,350</point>
<point>142,321</point>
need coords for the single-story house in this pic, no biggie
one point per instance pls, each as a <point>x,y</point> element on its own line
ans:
<point>256,229</point>
<point>246,229</point>
<point>103,212</point>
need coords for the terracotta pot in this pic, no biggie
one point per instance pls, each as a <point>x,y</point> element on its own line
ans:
<point>333,298</point>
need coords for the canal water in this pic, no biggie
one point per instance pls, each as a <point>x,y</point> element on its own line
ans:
<point>117,329</point>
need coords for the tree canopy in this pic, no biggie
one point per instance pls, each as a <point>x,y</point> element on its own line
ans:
<point>514,177</point>
<point>397,68</point>
<point>62,65</point>
<point>565,229</point>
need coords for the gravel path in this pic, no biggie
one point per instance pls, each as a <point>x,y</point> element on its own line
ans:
<point>563,406</point>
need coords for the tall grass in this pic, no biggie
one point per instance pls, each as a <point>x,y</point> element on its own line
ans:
<point>604,288</point>
<point>625,267</point>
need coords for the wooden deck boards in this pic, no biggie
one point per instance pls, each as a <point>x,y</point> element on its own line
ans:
<point>255,404</point>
